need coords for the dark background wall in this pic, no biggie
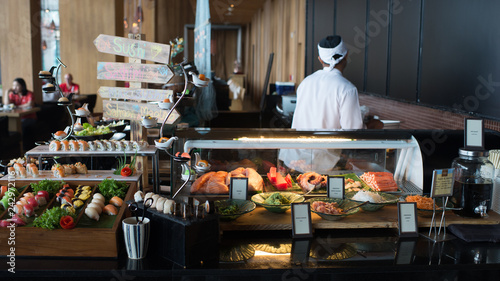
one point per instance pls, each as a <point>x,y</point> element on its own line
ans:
<point>438,53</point>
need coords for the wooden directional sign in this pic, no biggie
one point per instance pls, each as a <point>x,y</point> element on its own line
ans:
<point>135,94</point>
<point>133,48</point>
<point>135,111</point>
<point>134,72</point>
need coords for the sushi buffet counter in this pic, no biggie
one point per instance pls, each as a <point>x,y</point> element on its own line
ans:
<point>91,175</point>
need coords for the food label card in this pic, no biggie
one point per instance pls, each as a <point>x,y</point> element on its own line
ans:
<point>407,218</point>
<point>335,187</point>
<point>474,133</point>
<point>239,188</point>
<point>442,183</point>
<point>301,220</point>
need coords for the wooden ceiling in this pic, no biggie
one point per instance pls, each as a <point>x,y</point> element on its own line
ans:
<point>241,13</point>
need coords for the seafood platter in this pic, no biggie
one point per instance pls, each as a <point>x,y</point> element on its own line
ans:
<point>55,213</point>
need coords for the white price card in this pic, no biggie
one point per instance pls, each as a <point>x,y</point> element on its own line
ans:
<point>301,220</point>
<point>442,183</point>
<point>474,133</point>
<point>239,188</point>
<point>335,187</point>
<point>407,218</point>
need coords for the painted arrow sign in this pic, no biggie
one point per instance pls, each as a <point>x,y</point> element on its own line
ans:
<point>133,48</point>
<point>134,72</point>
<point>135,93</point>
<point>135,111</point>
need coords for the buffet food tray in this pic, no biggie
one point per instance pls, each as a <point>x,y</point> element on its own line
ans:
<point>77,242</point>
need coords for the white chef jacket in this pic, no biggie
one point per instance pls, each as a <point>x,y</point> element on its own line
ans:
<point>326,100</point>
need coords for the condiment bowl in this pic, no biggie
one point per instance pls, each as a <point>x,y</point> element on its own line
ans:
<point>342,204</point>
<point>241,207</point>
<point>260,199</point>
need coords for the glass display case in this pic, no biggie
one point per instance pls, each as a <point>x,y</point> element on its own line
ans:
<point>295,152</point>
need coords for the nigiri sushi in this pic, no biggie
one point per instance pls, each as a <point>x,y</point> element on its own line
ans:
<point>45,194</point>
<point>96,206</point>
<point>68,207</point>
<point>110,210</point>
<point>92,213</point>
<point>117,201</point>
<point>99,196</point>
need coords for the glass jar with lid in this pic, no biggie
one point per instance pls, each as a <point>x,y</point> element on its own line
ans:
<point>473,183</point>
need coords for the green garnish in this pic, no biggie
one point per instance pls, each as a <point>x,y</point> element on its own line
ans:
<point>229,210</point>
<point>51,186</point>
<point>111,187</point>
<point>276,199</point>
<point>51,217</point>
<point>88,130</point>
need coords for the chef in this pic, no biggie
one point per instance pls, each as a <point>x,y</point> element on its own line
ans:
<point>325,99</point>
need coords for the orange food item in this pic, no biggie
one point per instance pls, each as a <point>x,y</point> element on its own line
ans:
<point>166,100</point>
<point>60,133</point>
<point>163,139</point>
<point>380,181</point>
<point>202,77</point>
<point>423,202</point>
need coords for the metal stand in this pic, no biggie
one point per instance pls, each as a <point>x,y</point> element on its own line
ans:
<point>434,232</point>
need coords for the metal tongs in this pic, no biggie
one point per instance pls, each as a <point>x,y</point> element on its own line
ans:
<point>134,207</point>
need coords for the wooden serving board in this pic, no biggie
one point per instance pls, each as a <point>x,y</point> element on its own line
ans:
<point>76,242</point>
<point>387,217</point>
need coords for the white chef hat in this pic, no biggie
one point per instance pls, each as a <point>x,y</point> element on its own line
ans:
<point>329,47</point>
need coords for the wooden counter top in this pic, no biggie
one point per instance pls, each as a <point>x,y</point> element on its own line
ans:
<point>387,217</point>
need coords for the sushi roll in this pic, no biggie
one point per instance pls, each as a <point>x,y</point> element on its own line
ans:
<point>168,206</point>
<point>19,208</point>
<point>138,196</point>
<point>141,145</point>
<point>65,145</point>
<point>99,145</point>
<point>117,201</point>
<point>28,194</point>
<point>66,200</point>
<point>69,169</point>
<point>68,207</point>
<point>110,210</point>
<point>83,145</point>
<point>58,171</point>
<point>92,146</point>
<point>96,206</point>
<point>120,146</point>
<point>159,204</point>
<point>108,145</point>
<point>44,194</point>
<point>32,170</point>
<point>40,199</point>
<point>135,145</point>
<point>92,213</point>
<point>11,172</point>
<point>28,210</point>
<point>127,145</point>
<point>55,145</point>
<point>20,170</point>
<point>73,145</point>
<point>81,168</point>
<point>3,190</point>
<point>32,202</point>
